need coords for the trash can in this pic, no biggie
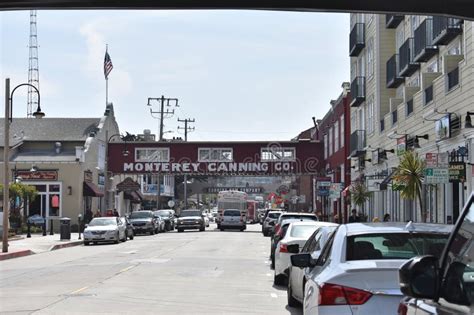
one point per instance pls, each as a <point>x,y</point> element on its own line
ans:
<point>65,229</point>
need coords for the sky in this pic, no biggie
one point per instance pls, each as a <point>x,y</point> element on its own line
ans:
<point>242,75</point>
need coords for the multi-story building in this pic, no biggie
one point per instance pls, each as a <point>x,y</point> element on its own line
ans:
<point>412,87</point>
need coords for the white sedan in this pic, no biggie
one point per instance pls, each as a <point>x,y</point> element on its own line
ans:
<point>290,243</point>
<point>357,271</point>
<point>105,229</point>
<point>297,276</point>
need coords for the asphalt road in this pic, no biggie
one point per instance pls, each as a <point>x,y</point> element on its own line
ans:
<point>208,272</point>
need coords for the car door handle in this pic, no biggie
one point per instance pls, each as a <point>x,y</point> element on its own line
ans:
<point>310,292</point>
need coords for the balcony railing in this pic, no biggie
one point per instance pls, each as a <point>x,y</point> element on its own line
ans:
<point>424,48</point>
<point>357,91</point>
<point>358,142</point>
<point>445,29</point>
<point>357,39</point>
<point>393,69</point>
<point>407,64</point>
<point>393,20</point>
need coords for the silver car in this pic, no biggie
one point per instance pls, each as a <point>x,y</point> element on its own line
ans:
<point>105,229</point>
<point>232,219</point>
<point>269,222</point>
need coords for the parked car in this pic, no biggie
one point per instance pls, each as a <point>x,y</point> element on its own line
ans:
<point>297,277</point>
<point>293,215</point>
<point>232,219</point>
<point>269,220</point>
<point>160,223</point>
<point>358,266</point>
<point>128,228</point>
<point>105,229</point>
<point>296,235</point>
<point>36,220</point>
<point>143,222</point>
<point>168,216</point>
<point>190,219</point>
<point>442,283</point>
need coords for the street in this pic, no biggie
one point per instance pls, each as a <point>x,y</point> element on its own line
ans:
<point>209,272</point>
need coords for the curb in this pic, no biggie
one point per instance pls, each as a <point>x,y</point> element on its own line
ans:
<point>65,245</point>
<point>19,253</point>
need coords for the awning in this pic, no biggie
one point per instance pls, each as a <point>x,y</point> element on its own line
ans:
<point>91,190</point>
<point>133,196</point>
<point>386,181</point>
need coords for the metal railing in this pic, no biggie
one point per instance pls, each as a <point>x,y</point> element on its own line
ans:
<point>357,39</point>
<point>393,70</point>
<point>393,20</point>
<point>357,142</point>
<point>445,29</point>
<point>424,48</point>
<point>406,54</point>
<point>358,91</point>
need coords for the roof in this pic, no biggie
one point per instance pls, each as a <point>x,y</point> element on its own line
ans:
<point>49,129</point>
<point>394,227</point>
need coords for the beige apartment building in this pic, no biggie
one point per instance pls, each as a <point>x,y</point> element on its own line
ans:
<point>412,88</point>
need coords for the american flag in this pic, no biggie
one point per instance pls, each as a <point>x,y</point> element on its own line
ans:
<point>107,65</point>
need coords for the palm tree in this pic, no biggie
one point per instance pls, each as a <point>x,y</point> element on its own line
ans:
<point>360,194</point>
<point>409,175</point>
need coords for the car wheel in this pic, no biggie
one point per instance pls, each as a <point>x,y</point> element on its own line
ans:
<point>242,229</point>
<point>86,243</point>
<point>131,236</point>
<point>272,265</point>
<point>264,233</point>
<point>291,300</point>
<point>125,237</point>
<point>180,230</point>
<point>278,279</point>
<point>202,229</point>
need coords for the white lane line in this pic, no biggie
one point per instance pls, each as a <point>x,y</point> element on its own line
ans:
<point>127,269</point>
<point>269,274</point>
<point>273,295</point>
<point>78,290</point>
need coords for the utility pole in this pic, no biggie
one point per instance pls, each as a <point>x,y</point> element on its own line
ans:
<point>168,102</point>
<point>186,128</point>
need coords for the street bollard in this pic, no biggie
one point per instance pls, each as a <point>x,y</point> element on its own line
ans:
<point>79,217</point>
<point>51,227</point>
<point>28,225</point>
<point>44,227</point>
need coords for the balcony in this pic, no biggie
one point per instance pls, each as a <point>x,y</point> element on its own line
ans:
<point>393,70</point>
<point>445,29</point>
<point>424,48</point>
<point>393,20</point>
<point>358,143</point>
<point>357,39</point>
<point>408,66</point>
<point>357,91</point>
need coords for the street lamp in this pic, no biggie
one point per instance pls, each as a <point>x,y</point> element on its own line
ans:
<point>6,152</point>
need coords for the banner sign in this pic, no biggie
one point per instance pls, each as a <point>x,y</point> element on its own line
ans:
<point>38,175</point>
<point>457,172</point>
<point>322,187</point>
<point>401,145</point>
<point>335,190</point>
<point>431,159</point>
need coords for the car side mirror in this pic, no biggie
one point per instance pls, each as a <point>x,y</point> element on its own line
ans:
<point>302,260</point>
<point>418,277</point>
<point>87,225</point>
<point>293,248</point>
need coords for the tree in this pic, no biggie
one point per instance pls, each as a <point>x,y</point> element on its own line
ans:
<point>19,193</point>
<point>409,176</point>
<point>359,194</point>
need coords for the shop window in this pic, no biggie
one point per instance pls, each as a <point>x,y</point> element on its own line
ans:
<point>215,155</point>
<point>453,79</point>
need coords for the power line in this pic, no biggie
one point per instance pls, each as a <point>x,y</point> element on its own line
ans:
<point>186,127</point>
<point>163,101</point>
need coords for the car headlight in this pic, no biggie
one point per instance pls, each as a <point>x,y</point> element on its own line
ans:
<point>87,232</point>
<point>111,232</point>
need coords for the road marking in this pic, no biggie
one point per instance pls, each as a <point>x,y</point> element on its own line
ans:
<point>269,274</point>
<point>127,269</point>
<point>79,290</point>
<point>273,295</point>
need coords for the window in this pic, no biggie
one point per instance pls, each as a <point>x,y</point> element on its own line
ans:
<point>370,57</point>
<point>453,79</point>
<point>394,245</point>
<point>278,154</point>
<point>326,146</point>
<point>215,155</point>
<point>354,120</point>
<point>409,107</point>
<point>361,118</point>
<point>331,130</point>
<point>394,117</point>
<point>361,66</point>
<point>336,136</point>
<point>428,94</point>
<point>342,131</point>
<point>152,154</point>
<point>370,115</point>
<point>382,125</point>
<point>326,252</point>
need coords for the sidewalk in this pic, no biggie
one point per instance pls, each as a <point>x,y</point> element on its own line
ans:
<point>37,244</point>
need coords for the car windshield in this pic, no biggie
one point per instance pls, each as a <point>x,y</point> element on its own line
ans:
<point>394,245</point>
<point>299,217</point>
<point>140,215</point>
<point>302,231</point>
<point>232,213</point>
<point>103,221</point>
<point>191,213</point>
<point>162,213</point>
<point>274,215</point>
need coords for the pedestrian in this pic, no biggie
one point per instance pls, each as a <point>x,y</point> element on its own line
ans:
<point>116,214</point>
<point>88,216</point>
<point>354,217</point>
<point>386,217</point>
<point>97,214</point>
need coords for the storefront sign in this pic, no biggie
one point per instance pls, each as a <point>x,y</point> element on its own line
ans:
<point>38,175</point>
<point>443,128</point>
<point>401,145</point>
<point>322,186</point>
<point>436,175</point>
<point>88,177</point>
<point>431,159</point>
<point>335,190</point>
<point>457,172</point>
<point>249,190</point>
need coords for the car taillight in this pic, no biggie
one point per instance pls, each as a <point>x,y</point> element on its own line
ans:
<point>333,294</point>
<point>283,248</point>
<point>277,229</point>
<point>402,309</point>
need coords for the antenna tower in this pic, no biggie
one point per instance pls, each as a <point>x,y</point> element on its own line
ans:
<point>33,68</point>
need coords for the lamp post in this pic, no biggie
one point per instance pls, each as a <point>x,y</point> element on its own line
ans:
<point>6,153</point>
